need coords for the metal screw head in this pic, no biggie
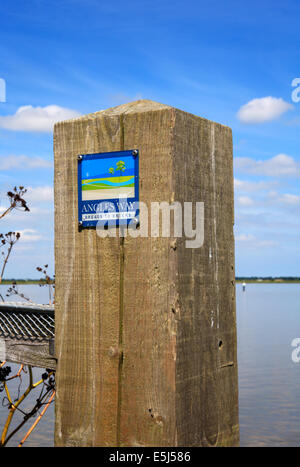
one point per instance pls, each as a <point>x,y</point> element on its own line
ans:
<point>79,157</point>
<point>80,223</point>
<point>136,222</point>
<point>135,152</point>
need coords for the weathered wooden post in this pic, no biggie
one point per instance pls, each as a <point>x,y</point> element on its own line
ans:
<point>145,327</point>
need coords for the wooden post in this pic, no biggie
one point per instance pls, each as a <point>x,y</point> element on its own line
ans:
<point>145,327</point>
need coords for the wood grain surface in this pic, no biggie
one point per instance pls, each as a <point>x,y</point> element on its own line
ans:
<point>145,327</point>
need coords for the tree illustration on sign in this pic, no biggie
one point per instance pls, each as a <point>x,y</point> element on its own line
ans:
<point>111,170</point>
<point>121,167</point>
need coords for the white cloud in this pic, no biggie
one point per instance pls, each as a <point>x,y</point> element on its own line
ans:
<point>250,186</point>
<point>280,165</point>
<point>23,162</point>
<point>39,194</point>
<point>266,200</point>
<point>281,201</point>
<point>272,195</point>
<point>254,242</point>
<point>263,110</point>
<point>29,235</point>
<point>288,198</point>
<point>244,238</point>
<point>39,216</point>
<point>244,201</point>
<point>40,119</point>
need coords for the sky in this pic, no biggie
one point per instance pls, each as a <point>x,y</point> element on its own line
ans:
<point>100,167</point>
<point>233,62</point>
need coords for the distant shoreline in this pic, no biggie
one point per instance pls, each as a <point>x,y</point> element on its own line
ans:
<point>280,280</point>
<point>24,281</point>
<point>238,280</point>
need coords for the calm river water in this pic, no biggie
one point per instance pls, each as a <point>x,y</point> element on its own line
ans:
<point>268,319</point>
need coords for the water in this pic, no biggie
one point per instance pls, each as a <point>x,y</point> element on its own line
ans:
<point>32,291</point>
<point>268,319</point>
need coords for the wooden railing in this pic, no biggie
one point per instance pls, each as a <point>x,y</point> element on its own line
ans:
<point>27,334</point>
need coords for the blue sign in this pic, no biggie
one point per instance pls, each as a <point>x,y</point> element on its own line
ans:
<point>108,188</point>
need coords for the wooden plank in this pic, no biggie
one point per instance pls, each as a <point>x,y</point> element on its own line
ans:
<point>86,297</point>
<point>177,386</point>
<point>206,363</point>
<point>149,329</point>
<point>145,327</point>
<point>34,353</point>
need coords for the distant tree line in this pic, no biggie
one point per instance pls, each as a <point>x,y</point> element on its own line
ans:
<point>26,281</point>
<point>269,278</point>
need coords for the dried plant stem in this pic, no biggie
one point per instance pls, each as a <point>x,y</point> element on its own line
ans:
<point>7,211</point>
<point>6,260</point>
<point>37,420</point>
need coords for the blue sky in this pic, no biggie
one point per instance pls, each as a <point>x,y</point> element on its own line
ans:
<point>232,62</point>
<point>96,167</point>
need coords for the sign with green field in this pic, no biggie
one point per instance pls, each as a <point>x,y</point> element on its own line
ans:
<point>107,186</point>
